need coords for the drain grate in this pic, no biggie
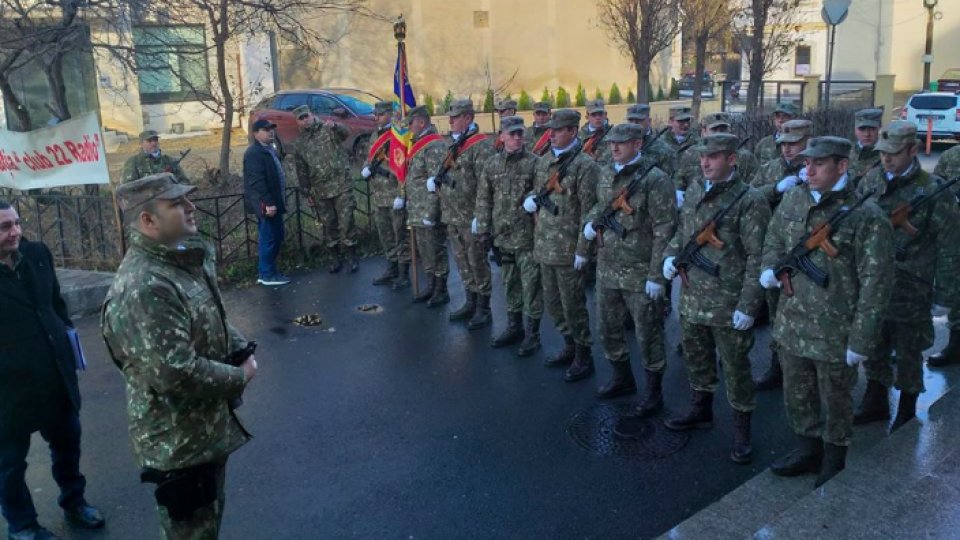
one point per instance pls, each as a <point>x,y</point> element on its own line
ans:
<point>592,430</point>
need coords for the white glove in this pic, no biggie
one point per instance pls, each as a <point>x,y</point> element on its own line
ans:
<point>803,174</point>
<point>589,232</point>
<point>854,358</point>
<point>432,184</point>
<point>654,290</point>
<point>680,197</point>
<point>939,311</point>
<point>427,223</point>
<point>669,270</point>
<point>768,280</point>
<point>365,172</point>
<point>787,183</point>
<point>579,262</point>
<point>742,321</point>
<point>530,205</point>
<point>399,203</point>
<point>473,226</point>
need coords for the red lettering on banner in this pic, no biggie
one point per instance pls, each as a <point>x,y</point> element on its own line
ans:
<point>9,162</point>
<point>86,151</point>
<point>58,154</point>
<point>37,161</point>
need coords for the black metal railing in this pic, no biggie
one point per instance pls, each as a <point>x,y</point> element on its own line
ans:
<point>733,96</point>
<point>848,94</point>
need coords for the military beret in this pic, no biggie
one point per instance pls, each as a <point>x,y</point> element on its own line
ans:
<point>624,132</point>
<point>718,142</point>
<point>156,186</point>
<point>506,104</point>
<point>460,106</point>
<point>564,118</point>
<point>420,111</point>
<point>383,107</point>
<point>896,136</point>
<point>787,107</point>
<point>826,146</point>
<point>715,120</point>
<point>681,112</point>
<point>595,105</point>
<point>868,118</point>
<point>639,111</point>
<point>511,123</point>
<point>148,134</point>
<point>795,131</point>
<point>300,111</point>
<point>541,106</point>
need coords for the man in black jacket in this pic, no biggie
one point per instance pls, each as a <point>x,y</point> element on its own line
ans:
<point>38,383</point>
<point>264,186</point>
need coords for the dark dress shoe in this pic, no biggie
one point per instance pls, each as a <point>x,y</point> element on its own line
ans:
<point>85,516</point>
<point>33,533</point>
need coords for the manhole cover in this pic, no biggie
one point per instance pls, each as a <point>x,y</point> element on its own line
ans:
<point>592,430</point>
<point>369,308</point>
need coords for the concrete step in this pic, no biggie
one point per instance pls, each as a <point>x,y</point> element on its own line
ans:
<point>83,290</point>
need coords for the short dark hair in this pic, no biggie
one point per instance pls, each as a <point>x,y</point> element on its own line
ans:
<point>4,205</point>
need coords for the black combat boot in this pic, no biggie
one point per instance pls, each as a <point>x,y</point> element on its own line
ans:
<point>512,334</point>
<point>403,277</point>
<point>440,295</point>
<point>388,275</point>
<point>875,405</point>
<point>582,366</point>
<point>742,450</point>
<point>354,259</point>
<point>700,415</point>
<point>951,353</point>
<point>531,338</point>
<point>481,315</point>
<point>621,384</point>
<point>906,410</point>
<point>773,378</point>
<point>653,400</point>
<point>805,459</point>
<point>465,311</point>
<point>834,460</point>
<point>337,264</point>
<point>564,356</point>
<point>427,291</point>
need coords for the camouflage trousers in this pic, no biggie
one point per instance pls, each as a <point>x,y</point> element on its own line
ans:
<point>613,305</point>
<point>566,301</point>
<point>471,260</point>
<point>432,250</point>
<point>819,397</point>
<point>336,215</point>
<point>909,340</point>
<point>392,231</point>
<point>773,299</point>
<point>205,522</point>
<point>521,283</point>
<point>700,346</point>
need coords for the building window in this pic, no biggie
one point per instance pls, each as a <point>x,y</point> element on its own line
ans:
<point>171,63</point>
<point>802,61</point>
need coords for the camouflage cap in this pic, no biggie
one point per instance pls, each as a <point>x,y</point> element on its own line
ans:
<point>460,106</point>
<point>506,104</point>
<point>715,120</point>
<point>718,142</point>
<point>639,111</point>
<point>681,112</point>
<point>300,111</point>
<point>787,107</point>
<point>383,107</point>
<point>868,118</point>
<point>511,123</point>
<point>795,131</point>
<point>156,186</point>
<point>564,118</point>
<point>420,111</point>
<point>595,105</point>
<point>148,134</point>
<point>896,136</point>
<point>624,132</point>
<point>542,106</point>
<point>819,147</point>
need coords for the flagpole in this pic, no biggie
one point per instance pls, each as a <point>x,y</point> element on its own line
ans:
<point>400,33</point>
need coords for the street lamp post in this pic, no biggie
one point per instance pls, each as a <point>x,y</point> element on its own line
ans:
<point>928,51</point>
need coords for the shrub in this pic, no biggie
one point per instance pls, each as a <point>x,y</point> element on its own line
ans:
<point>563,98</point>
<point>631,98</point>
<point>524,103</point>
<point>674,89</point>
<point>615,97</point>
<point>488,101</point>
<point>546,96</point>
<point>581,97</point>
<point>447,101</point>
<point>660,96</point>
<point>428,103</point>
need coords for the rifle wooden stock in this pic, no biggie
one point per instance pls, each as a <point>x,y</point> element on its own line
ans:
<point>785,282</point>
<point>820,238</point>
<point>553,184</point>
<point>708,235</point>
<point>622,204</point>
<point>684,280</point>
<point>900,219</point>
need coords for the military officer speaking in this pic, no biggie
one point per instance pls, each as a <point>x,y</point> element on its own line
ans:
<point>151,160</point>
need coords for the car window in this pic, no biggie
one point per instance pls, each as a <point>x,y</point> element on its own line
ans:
<point>951,74</point>
<point>289,102</point>
<point>321,104</point>
<point>265,103</point>
<point>355,105</point>
<point>931,102</point>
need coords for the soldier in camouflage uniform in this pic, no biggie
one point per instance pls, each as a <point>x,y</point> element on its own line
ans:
<point>824,332</point>
<point>423,207</point>
<point>506,179</point>
<point>688,165</point>
<point>766,148</point>
<point>165,327</point>
<point>864,157</point>
<point>150,160</point>
<point>925,278</point>
<point>458,206</point>
<point>559,246</point>
<point>629,279</point>
<point>680,140</point>
<point>653,145</point>
<point>594,131</point>
<point>948,168</point>
<point>387,196</point>
<point>323,172</point>
<point>536,137</point>
<point>504,109</point>
<point>717,312</point>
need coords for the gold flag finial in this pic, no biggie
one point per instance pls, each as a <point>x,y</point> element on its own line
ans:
<point>400,28</point>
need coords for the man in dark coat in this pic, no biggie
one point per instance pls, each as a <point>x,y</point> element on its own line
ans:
<point>38,383</point>
<point>264,185</point>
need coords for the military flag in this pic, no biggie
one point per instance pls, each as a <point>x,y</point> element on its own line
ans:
<point>403,99</point>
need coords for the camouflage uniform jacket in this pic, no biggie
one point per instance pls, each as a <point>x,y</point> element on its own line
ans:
<point>603,153</point>
<point>822,323</point>
<point>927,272</point>
<point>384,188</point>
<point>711,300</point>
<point>532,134</point>
<point>458,204</point>
<point>766,149</point>
<point>629,262</point>
<point>558,238</point>
<point>688,167</point>
<point>140,165</point>
<point>661,154</point>
<point>861,162</point>
<point>421,204</point>
<point>164,324</point>
<point>770,174</point>
<point>948,166</point>
<point>670,141</point>
<point>322,166</point>
<point>504,184</point>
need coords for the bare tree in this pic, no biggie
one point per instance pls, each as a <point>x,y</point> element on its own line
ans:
<point>641,29</point>
<point>770,27</point>
<point>706,21</point>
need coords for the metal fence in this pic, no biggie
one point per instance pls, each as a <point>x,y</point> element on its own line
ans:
<point>848,94</point>
<point>733,97</point>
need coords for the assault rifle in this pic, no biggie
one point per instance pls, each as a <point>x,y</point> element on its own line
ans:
<point>744,142</point>
<point>453,152</point>
<point>818,238</point>
<point>176,163</point>
<point>707,234</point>
<point>590,145</point>
<point>620,203</point>
<point>378,160</point>
<point>553,184</point>
<point>900,216</point>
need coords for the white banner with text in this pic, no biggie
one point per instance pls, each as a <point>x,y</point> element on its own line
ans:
<point>67,154</point>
